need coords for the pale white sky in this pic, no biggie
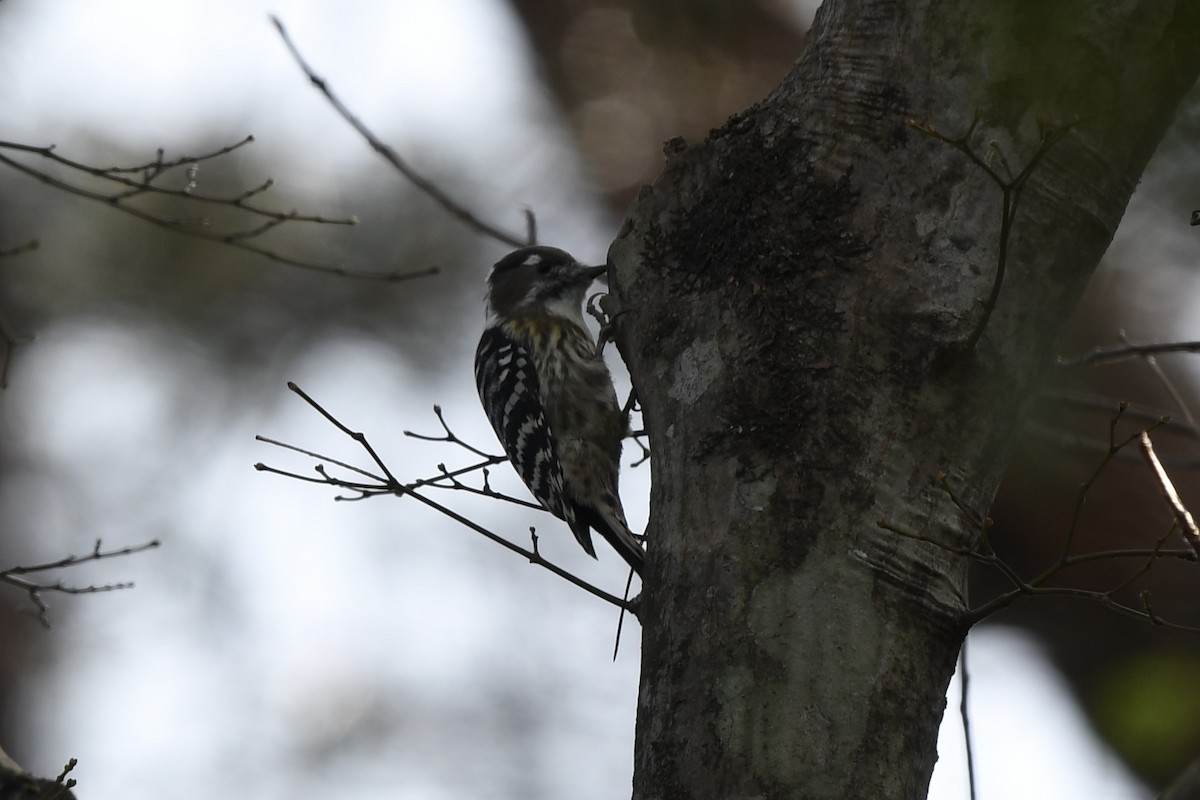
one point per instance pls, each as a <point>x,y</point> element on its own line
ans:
<point>364,641</point>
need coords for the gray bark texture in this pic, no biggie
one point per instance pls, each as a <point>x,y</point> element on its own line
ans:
<point>799,294</point>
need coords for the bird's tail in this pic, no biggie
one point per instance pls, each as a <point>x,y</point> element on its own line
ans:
<point>609,522</point>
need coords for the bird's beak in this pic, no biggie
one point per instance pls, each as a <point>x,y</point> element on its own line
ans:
<point>593,273</point>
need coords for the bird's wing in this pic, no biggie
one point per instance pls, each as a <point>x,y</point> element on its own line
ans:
<point>508,386</point>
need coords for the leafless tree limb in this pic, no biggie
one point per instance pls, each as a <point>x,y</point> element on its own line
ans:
<point>1177,397</point>
<point>1090,401</point>
<point>380,480</point>
<point>964,679</point>
<point>18,576</point>
<point>981,550</point>
<point>126,188</point>
<point>1111,353</point>
<point>450,437</point>
<point>423,184</point>
<point>1183,517</point>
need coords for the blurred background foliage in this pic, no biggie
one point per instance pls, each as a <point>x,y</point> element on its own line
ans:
<point>193,342</point>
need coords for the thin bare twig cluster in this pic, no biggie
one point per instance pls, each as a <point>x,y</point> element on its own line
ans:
<point>1012,185</point>
<point>1094,403</point>
<point>376,480</point>
<point>28,578</point>
<point>1125,350</point>
<point>1142,559</point>
<point>124,187</point>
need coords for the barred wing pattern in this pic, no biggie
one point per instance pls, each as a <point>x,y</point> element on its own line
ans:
<point>509,389</point>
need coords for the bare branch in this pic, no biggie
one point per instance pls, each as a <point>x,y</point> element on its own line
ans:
<point>200,228</point>
<point>450,437</point>
<point>1183,517</point>
<point>311,454</point>
<point>445,479</point>
<point>1114,448</point>
<point>1168,384</point>
<point>1090,401</point>
<point>980,550</point>
<point>1102,355</point>
<point>964,677</point>
<point>66,770</point>
<point>1103,598</point>
<point>388,484</point>
<point>153,170</point>
<point>15,576</point>
<point>423,184</point>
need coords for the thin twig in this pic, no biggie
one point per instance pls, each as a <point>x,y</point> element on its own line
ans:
<point>1111,353</point>
<point>388,484</point>
<point>1004,601</point>
<point>1064,441</point>
<point>1081,494</point>
<point>1147,565</point>
<point>621,616</point>
<point>62,784</point>
<point>449,436</point>
<point>1183,517</point>
<point>1167,383</point>
<point>964,680</point>
<point>1089,401</point>
<point>311,454</point>
<point>1180,553</point>
<point>199,228</point>
<point>982,552</point>
<point>15,576</point>
<point>423,184</point>
<point>151,171</point>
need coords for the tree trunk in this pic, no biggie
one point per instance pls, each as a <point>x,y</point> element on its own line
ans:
<point>804,293</point>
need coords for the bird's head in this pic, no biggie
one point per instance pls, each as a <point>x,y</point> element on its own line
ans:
<point>539,280</point>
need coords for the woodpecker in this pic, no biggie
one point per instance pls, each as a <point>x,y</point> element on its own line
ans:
<point>549,396</point>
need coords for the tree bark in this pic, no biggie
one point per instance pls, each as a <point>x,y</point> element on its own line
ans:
<point>803,293</point>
